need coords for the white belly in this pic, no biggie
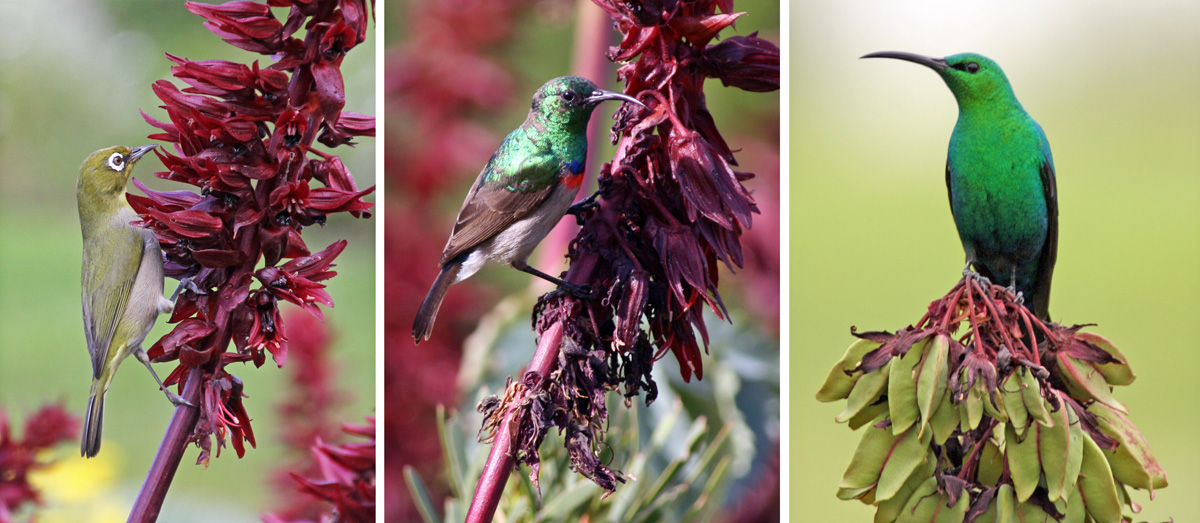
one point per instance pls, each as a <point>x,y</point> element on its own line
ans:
<point>517,241</point>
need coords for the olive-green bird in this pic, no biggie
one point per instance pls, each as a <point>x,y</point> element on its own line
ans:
<point>122,278</point>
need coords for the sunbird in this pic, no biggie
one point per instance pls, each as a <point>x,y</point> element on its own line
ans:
<point>524,190</point>
<point>122,290</point>
<point>1000,175</point>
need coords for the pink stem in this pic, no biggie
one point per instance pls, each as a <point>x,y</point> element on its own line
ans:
<point>501,459</point>
<point>150,500</point>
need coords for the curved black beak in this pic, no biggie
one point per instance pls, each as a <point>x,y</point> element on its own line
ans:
<point>600,95</point>
<point>937,64</point>
<point>139,152</point>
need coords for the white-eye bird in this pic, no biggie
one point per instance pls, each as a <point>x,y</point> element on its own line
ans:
<point>122,278</point>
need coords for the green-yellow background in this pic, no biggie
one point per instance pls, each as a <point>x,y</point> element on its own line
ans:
<point>1115,85</point>
<point>75,74</point>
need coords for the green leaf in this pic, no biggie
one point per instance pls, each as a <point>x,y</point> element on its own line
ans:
<point>922,504</point>
<point>908,452</point>
<point>1054,448</point>
<point>1031,395</point>
<point>1096,485</point>
<point>1085,382</point>
<point>420,495</point>
<point>839,384</point>
<point>866,391</point>
<point>1023,462</point>
<point>1132,462</point>
<point>932,381</point>
<point>888,510</point>
<point>869,458</point>
<point>1119,373</point>
<point>902,387</point>
<point>1014,405</point>
<point>945,419</point>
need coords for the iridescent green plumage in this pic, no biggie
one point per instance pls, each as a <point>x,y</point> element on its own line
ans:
<point>1000,177</point>
<point>523,191</point>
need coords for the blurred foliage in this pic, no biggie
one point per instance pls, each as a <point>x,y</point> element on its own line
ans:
<point>698,450</point>
<point>1116,88</point>
<point>71,87</point>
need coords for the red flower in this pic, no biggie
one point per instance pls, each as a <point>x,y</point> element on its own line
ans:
<point>242,136</point>
<point>18,457</point>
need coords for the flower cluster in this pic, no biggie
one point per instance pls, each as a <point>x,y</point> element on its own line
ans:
<point>671,210</point>
<point>18,457</point>
<point>1011,416</point>
<point>243,135</point>
<point>347,478</point>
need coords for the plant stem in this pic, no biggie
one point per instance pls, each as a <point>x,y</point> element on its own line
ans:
<point>500,460</point>
<point>170,452</point>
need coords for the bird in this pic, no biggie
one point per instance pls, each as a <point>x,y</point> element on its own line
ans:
<point>122,279</point>
<point>526,187</point>
<point>1000,178</point>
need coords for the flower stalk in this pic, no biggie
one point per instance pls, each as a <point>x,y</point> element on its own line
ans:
<point>243,136</point>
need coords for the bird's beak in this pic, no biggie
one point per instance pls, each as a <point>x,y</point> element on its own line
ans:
<point>600,95</point>
<point>139,152</point>
<point>937,64</point>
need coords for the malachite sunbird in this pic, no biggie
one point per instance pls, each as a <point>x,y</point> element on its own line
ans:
<point>523,191</point>
<point>1000,175</point>
<point>122,278</point>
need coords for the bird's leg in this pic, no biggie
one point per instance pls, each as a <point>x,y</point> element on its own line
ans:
<point>175,399</point>
<point>979,278</point>
<point>186,283</point>
<point>1018,297</point>
<point>582,292</point>
<point>578,208</point>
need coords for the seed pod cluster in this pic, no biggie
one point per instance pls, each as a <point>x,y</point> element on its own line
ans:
<point>1014,419</point>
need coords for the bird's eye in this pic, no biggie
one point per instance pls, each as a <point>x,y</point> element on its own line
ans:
<point>117,162</point>
<point>568,95</point>
<point>972,67</point>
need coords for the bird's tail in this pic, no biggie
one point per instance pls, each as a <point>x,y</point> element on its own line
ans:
<point>423,324</point>
<point>93,420</point>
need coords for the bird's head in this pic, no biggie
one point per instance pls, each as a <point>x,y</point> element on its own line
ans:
<point>567,102</point>
<point>971,77</point>
<point>106,171</point>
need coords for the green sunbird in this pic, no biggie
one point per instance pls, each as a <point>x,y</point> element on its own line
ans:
<point>522,192</point>
<point>122,289</point>
<point>1000,176</point>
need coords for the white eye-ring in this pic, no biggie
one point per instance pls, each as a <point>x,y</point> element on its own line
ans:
<point>117,162</point>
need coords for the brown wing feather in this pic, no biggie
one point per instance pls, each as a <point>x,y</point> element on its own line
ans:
<point>491,207</point>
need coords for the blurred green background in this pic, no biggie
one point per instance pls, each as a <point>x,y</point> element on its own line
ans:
<point>1115,85</point>
<point>75,74</point>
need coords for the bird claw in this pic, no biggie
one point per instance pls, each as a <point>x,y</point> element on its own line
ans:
<point>580,292</point>
<point>177,400</point>
<point>982,280</point>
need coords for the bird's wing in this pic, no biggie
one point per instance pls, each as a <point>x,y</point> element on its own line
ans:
<point>107,284</point>
<point>1041,300</point>
<point>500,198</point>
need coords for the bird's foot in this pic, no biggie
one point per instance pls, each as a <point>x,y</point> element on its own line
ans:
<point>176,399</point>
<point>982,280</point>
<point>582,292</point>
<point>582,206</point>
<point>1018,296</point>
